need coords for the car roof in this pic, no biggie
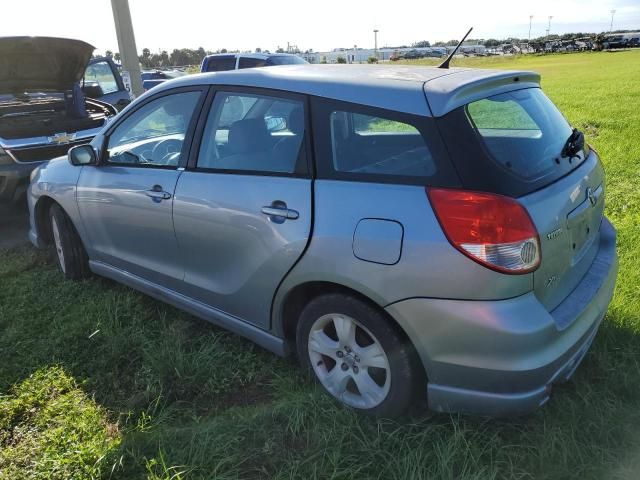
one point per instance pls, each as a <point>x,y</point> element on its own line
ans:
<point>397,87</point>
<point>251,55</point>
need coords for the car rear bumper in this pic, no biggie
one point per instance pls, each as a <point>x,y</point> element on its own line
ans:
<point>502,357</point>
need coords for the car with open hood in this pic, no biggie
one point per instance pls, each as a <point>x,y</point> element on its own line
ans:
<point>43,108</point>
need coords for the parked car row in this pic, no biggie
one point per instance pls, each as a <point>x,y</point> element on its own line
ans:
<point>220,62</point>
<point>433,52</point>
<point>153,78</point>
<point>407,232</point>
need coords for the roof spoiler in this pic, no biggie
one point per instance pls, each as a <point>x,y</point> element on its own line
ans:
<point>445,64</point>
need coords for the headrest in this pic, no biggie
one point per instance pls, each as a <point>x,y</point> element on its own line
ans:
<point>296,120</point>
<point>248,135</point>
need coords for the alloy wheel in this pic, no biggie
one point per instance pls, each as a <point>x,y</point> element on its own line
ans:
<point>349,361</point>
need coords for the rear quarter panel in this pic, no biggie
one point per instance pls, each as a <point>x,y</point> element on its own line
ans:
<point>428,265</point>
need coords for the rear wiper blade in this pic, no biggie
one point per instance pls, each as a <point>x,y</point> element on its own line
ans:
<point>574,144</point>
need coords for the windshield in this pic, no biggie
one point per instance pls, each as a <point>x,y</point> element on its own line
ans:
<point>523,131</point>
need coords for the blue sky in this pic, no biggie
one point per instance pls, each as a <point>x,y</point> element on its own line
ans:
<point>321,25</point>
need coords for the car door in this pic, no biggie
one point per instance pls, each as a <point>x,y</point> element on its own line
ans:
<point>126,201</point>
<point>242,210</point>
<point>104,73</point>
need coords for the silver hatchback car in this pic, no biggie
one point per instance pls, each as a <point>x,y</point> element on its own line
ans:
<point>405,231</point>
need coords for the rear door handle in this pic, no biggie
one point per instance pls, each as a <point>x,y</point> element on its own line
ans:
<point>157,193</point>
<point>281,212</point>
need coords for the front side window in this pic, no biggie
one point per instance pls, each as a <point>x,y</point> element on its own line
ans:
<point>153,135</point>
<point>378,145</point>
<point>101,73</point>
<point>257,133</point>
<point>523,131</point>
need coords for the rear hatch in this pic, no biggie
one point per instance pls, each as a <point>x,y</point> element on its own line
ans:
<point>518,144</point>
<point>567,215</point>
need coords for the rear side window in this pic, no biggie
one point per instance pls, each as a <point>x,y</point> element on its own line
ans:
<point>246,62</point>
<point>285,60</point>
<point>522,130</point>
<point>356,142</point>
<point>220,64</point>
<point>377,145</point>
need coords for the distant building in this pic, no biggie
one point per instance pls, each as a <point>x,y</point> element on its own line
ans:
<point>362,55</point>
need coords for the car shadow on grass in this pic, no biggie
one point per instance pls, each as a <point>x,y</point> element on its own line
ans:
<point>14,225</point>
<point>192,401</point>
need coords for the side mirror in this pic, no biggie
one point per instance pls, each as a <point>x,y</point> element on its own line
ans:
<point>82,155</point>
<point>92,90</point>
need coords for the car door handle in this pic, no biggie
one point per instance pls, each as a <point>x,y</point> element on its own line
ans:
<point>282,212</point>
<point>157,193</point>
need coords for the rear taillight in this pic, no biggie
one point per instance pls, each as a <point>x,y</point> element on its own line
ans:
<point>493,230</point>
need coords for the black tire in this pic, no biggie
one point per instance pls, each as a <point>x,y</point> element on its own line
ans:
<point>70,253</point>
<point>405,372</point>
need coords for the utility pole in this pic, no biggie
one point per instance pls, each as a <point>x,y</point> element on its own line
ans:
<point>375,41</point>
<point>549,26</point>
<point>613,12</point>
<point>127,46</point>
<point>530,20</point>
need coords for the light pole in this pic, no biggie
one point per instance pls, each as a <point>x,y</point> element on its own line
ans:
<point>613,12</point>
<point>127,46</point>
<point>530,19</point>
<point>375,41</point>
<point>549,26</point>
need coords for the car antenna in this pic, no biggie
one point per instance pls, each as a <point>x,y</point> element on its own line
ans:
<point>445,64</point>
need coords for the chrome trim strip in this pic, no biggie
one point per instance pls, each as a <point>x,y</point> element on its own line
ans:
<point>84,141</point>
<point>43,141</point>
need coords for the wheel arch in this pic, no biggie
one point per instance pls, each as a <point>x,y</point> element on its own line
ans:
<point>288,314</point>
<point>42,220</point>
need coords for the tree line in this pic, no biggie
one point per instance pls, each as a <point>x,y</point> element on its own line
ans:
<point>187,56</point>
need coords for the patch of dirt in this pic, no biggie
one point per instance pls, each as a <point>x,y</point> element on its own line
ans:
<point>257,393</point>
<point>590,130</point>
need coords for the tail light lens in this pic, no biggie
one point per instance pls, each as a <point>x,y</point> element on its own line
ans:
<point>493,230</point>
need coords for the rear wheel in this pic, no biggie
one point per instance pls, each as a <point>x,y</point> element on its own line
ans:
<point>71,255</point>
<point>354,352</point>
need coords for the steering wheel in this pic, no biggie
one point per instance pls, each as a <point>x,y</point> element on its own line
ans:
<point>166,150</point>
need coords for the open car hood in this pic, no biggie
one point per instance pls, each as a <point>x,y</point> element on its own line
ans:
<point>41,63</point>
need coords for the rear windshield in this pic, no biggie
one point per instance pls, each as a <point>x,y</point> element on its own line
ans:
<point>523,131</point>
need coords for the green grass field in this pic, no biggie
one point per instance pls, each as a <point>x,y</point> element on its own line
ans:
<point>98,381</point>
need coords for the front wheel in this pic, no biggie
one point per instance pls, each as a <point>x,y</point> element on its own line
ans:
<point>71,255</point>
<point>355,353</point>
